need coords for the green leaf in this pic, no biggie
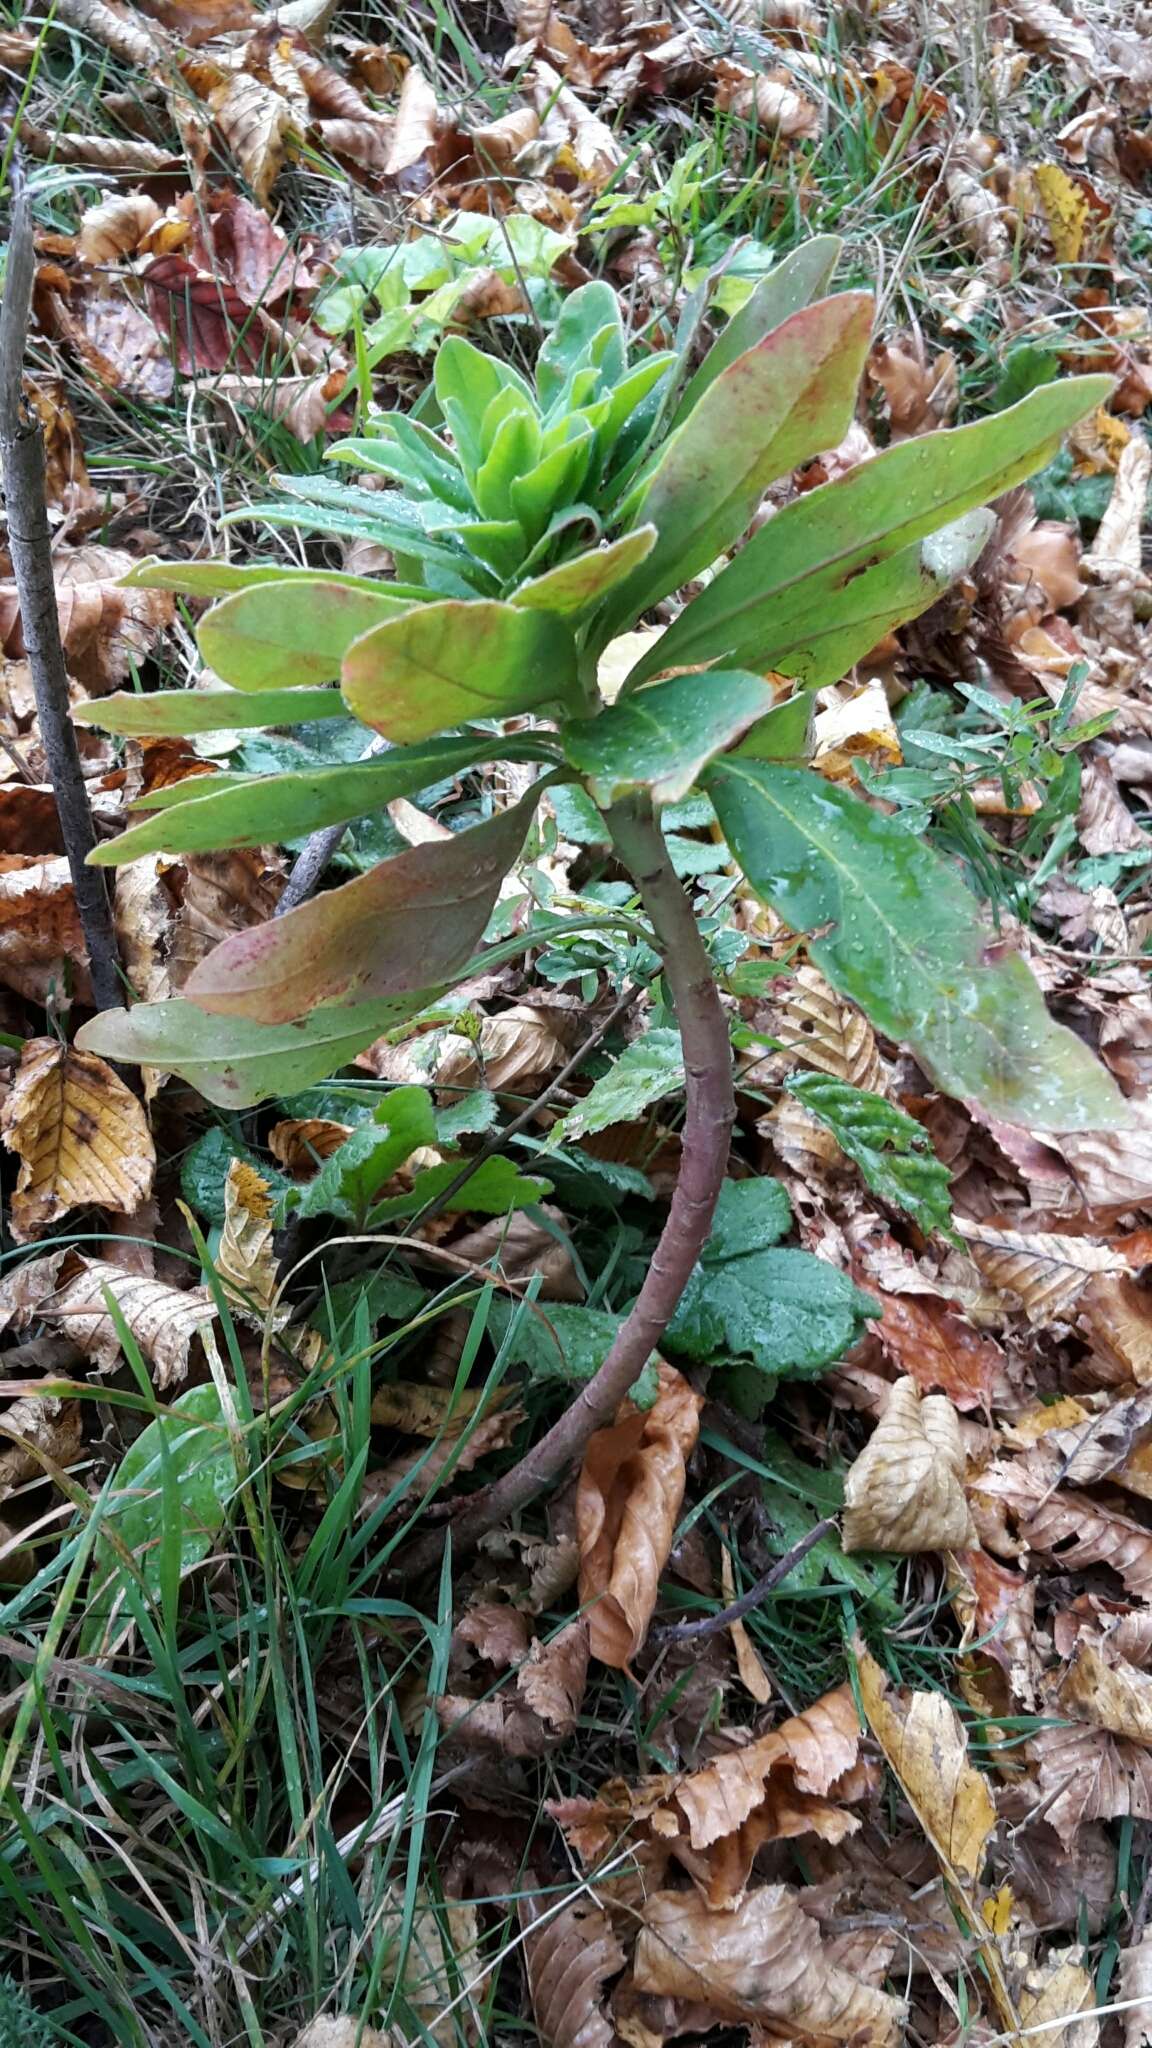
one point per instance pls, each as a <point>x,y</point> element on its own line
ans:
<point>903,938</point>
<point>449,662</point>
<point>785,1311</point>
<point>589,315</point>
<point>794,580</point>
<point>410,921</point>
<point>894,1152</point>
<point>751,1216</point>
<point>495,1187</point>
<point>647,1070</point>
<point>358,1169</point>
<point>236,1064</point>
<point>388,1297</point>
<point>204,1171</point>
<point>785,734</point>
<point>468,1116</point>
<point>211,811</point>
<point>783,400</point>
<point>221,579</point>
<point>169,713</point>
<point>661,738</point>
<point>201,1475</point>
<point>294,632</point>
<point>802,277</point>
<point>582,582</point>
<point>560,1342</point>
<point>466,381</point>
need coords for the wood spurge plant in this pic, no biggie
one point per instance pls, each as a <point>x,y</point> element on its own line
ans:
<point>540,523</point>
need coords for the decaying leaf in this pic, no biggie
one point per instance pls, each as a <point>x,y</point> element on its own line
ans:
<point>906,1490</point>
<point>80,1134</point>
<point>165,1321</point>
<point>553,1676</point>
<point>936,1346</point>
<point>627,1501</point>
<point>1058,1990</point>
<point>42,947</point>
<point>36,1432</point>
<point>826,1032</point>
<point>1136,1991</point>
<point>763,1962</point>
<point>516,1051</point>
<point>927,1750</point>
<point>569,1957</point>
<point>1086,1774</point>
<point>1110,1694</point>
<point>1047,1274</point>
<point>1079,1528</point>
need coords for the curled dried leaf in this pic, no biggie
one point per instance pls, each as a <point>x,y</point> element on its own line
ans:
<point>926,1747</point>
<point>827,1033</point>
<point>165,1321</point>
<point>936,1346</point>
<point>81,1136</point>
<point>1109,1694</point>
<point>905,1491</point>
<point>764,1962</point>
<point>628,1499</point>
<point>1047,1274</point>
<point>553,1677</point>
<point>569,1957</point>
<point>1086,1774</point>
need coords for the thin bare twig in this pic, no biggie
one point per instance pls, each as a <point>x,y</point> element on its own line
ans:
<point>711,1625</point>
<point>313,858</point>
<point>30,546</point>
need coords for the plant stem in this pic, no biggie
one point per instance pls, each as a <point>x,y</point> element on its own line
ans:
<point>707,1125</point>
<point>30,546</point>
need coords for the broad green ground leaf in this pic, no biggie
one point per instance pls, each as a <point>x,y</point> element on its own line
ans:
<point>797,573</point>
<point>802,277</point>
<point>445,663</point>
<point>783,1311</point>
<point>649,1068</point>
<point>296,633</point>
<point>197,1478</point>
<point>900,935</point>
<point>496,1187</point>
<point>163,714</point>
<point>408,922</point>
<point>352,1175</point>
<point>559,1341</point>
<point>236,1064</point>
<point>786,733</point>
<point>780,402</point>
<point>662,737</point>
<point>587,578</point>
<point>894,1152</point>
<point>212,811</point>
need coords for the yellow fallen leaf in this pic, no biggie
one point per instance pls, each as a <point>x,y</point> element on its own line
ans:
<point>1065,210</point>
<point>997,1911</point>
<point>81,1135</point>
<point>856,727</point>
<point>927,1751</point>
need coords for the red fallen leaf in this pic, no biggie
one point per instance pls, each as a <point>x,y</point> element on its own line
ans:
<point>205,321</point>
<point>237,243</point>
<point>936,1347</point>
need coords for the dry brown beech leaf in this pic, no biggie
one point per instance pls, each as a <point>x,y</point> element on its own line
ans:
<point>116,226</point>
<point>1081,1530</point>
<point>927,1750</point>
<point>1086,1774</point>
<point>1116,1314</point>
<point>811,1020</point>
<point>38,1423</point>
<point>1113,1169</point>
<point>496,1631</point>
<point>1055,1887</point>
<point>935,1344</point>
<point>905,1492</point>
<point>41,939</point>
<point>1058,1990</point>
<point>491,1433</point>
<point>103,628</point>
<point>257,123</point>
<point>628,1499</point>
<point>165,1321</point>
<point>520,1246</point>
<point>300,1144</point>
<point>1048,1274</point>
<point>552,1679</point>
<point>1102,1445</point>
<point>569,1957</point>
<point>815,1748</point>
<point>1136,1991</point>
<point>81,1137</point>
<point>764,1962</point>
<point>997,1610</point>
<point>516,1050</point>
<point>1109,1694</point>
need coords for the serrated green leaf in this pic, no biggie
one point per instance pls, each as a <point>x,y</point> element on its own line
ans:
<point>211,811</point>
<point>647,1070</point>
<point>495,1187</point>
<point>387,1297</point>
<point>448,662</point>
<point>235,1063</point>
<point>894,1152</point>
<point>786,1312</point>
<point>162,714</point>
<point>467,1117</point>
<point>662,737</point>
<point>291,632</point>
<point>751,1216</point>
<point>353,1175</point>
<point>559,1341</point>
<point>794,579</point>
<point>902,937</point>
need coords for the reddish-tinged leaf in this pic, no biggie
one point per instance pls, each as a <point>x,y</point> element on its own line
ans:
<point>196,21</point>
<point>294,632</point>
<point>204,321</point>
<point>410,922</point>
<point>443,663</point>
<point>936,1347</point>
